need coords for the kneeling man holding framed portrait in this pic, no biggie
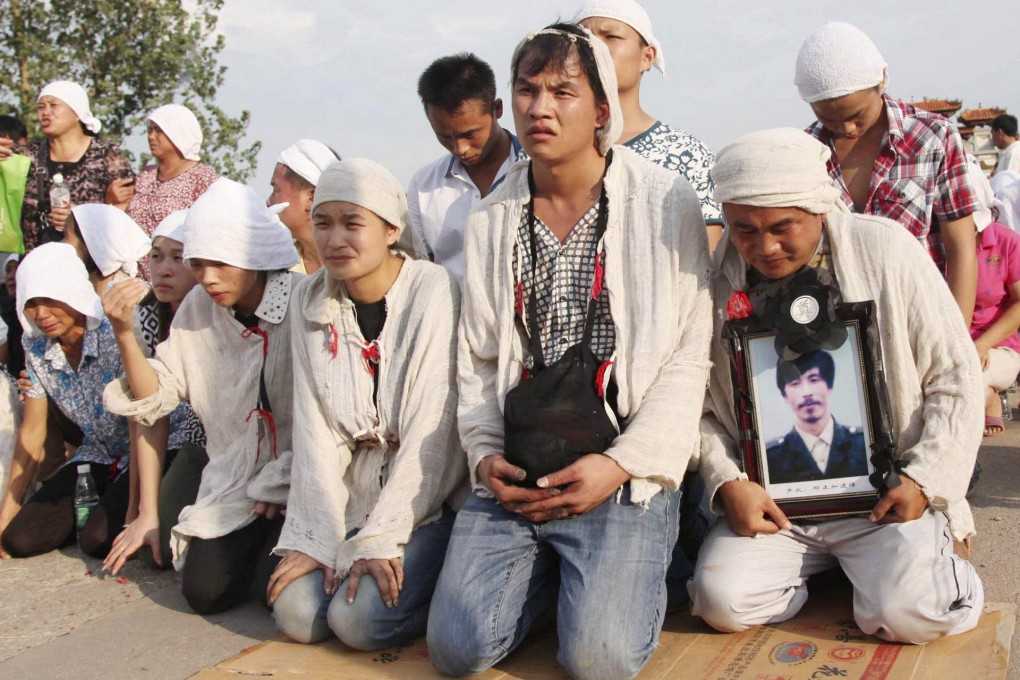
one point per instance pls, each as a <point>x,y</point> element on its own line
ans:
<point>840,428</point>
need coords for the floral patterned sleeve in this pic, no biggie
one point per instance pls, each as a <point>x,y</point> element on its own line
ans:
<point>117,166</point>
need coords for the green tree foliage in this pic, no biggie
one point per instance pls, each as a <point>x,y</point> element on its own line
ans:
<point>131,56</point>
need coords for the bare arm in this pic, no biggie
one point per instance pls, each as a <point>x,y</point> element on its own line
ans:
<point>960,240</point>
<point>119,304</point>
<point>28,453</point>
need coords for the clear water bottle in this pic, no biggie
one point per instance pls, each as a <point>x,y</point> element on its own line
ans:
<point>60,195</point>
<point>86,497</point>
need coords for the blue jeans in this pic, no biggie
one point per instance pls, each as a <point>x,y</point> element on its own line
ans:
<point>605,570</point>
<point>304,613</point>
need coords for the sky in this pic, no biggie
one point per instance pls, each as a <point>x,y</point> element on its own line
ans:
<point>345,72</point>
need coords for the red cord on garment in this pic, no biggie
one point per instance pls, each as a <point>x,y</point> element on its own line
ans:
<point>600,378</point>
<point>520,299</point>
<point>600,273</point>
<point>334,341</point>
<point>255,330</point>
<point>370,353</point>
<point>270,423</point>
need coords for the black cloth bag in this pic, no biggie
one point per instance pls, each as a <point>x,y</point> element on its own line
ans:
<point>558,413</point>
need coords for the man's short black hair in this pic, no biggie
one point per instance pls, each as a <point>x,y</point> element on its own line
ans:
<point>11,127</point>
<point>819,359</point>
<point>1006,124</point>
<point>556,51</point>
<point>448,82</point>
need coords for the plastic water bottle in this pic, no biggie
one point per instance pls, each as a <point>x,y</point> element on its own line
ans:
<point>60,195</point>
<point>86,497</point>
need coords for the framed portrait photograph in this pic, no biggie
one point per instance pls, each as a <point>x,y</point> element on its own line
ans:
<point>810,426</point>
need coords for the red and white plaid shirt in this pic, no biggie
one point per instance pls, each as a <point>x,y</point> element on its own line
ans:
<point>920,175</point>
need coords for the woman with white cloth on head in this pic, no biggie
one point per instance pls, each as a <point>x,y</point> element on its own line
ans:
<point>94,171</point>
<point>178,177</point>
<point>229,355</point>
<point>167,458</point>
<point>71,354</point>
<point>294,179</point>
<point>108,241</point>
<point>377,459</point>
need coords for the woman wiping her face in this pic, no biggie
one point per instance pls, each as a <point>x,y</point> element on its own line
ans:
<point>378,467</point>
<point>228,354</point>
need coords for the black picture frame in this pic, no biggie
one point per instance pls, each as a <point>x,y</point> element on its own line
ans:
<point>819,497</point>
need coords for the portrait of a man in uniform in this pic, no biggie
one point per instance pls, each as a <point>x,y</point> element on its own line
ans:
<point>816,447</point>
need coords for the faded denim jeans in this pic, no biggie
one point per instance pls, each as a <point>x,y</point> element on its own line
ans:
<point>605,570</point>
<point>304,613</point>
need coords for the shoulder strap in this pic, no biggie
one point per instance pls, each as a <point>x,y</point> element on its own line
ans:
<point>601,224</point>
<point>42,160</point>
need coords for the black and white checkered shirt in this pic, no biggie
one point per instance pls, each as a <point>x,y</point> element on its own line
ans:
<point>563,280</point>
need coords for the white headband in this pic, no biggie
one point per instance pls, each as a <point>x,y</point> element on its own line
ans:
<point>179,124</point>
<point>836,60</point>
<point>229,223</point>
<point>308,158</point>
<point>780,168</point>
<point>171,226</point>
<point>75,97</point>
<point>613,128</point>
<point>114,240</point>
<point>54,270</point>
<point>630,13</point>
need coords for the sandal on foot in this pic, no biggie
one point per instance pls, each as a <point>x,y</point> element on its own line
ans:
<point>996,424</point>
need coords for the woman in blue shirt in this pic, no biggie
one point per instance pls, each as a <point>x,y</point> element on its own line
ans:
<point>71,355</point>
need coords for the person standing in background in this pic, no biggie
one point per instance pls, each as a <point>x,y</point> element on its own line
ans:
<point>95,171</point>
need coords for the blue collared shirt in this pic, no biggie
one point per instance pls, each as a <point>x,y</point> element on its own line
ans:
<point>79,393</point>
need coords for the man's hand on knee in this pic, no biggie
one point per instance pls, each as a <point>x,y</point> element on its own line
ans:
<point>586,483</point>
<point>750,510</point>
<point>903,503</point>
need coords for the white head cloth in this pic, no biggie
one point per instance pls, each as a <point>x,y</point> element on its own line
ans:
<point>11,257</point>
<point>836,60</point>
<point>613,128</point>
<point>171,226</point>
<point>74,96</point>
<point>54,270</point>
<point>114,240</point>
<point>630,13</point>
<point>365,183</point>
<point>229,223</point>
<point>179,124</point>
<point>780,168</point>
<point>308,158</point>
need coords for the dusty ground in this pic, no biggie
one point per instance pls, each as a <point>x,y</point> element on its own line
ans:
<point>59,618</point>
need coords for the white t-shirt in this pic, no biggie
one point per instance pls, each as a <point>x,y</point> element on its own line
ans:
<point>1009,158</point>
<point>440,197</point>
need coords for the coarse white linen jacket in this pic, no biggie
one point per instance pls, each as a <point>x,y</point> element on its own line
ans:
<point>383,465</point>
<point>657,272</point>
<point>931,366</point>
<point>211,361</point>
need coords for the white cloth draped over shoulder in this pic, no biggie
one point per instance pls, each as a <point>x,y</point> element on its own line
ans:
<point>383,466</point>
<point>931,367</point>
<point>657,275</point>
<point>212,362</point>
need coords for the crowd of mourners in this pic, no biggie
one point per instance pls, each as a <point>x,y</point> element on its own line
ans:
<point>443,410</point>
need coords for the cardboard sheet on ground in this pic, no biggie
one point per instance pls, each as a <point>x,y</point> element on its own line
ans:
<point>821,642</point>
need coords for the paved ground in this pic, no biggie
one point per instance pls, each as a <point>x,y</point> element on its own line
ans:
<point>59,618</point>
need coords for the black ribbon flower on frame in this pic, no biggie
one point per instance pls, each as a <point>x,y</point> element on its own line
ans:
<point>801,309</point>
